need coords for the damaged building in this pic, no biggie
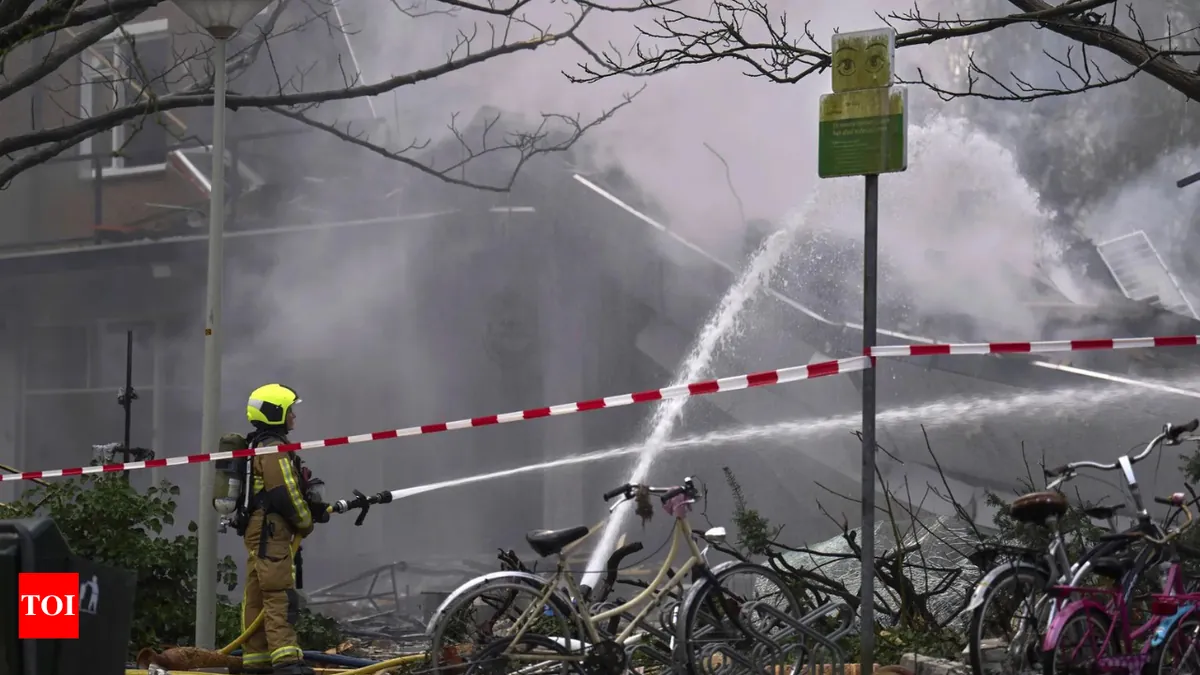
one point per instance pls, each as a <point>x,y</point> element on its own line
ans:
<point>388,298</point>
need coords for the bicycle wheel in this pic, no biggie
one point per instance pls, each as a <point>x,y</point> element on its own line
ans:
<point>523,656</point>
<point>1083,641</point>
<point>1006,629</point>
<point>485,613</point>
<point>1180,651</point>
<point>734,625</point>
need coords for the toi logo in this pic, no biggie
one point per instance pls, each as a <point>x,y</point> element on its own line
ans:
<point>48,607</point>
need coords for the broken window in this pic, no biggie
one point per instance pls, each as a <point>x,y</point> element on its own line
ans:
<point>133,65</point>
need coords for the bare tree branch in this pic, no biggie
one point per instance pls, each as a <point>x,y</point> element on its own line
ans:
<point>63,54</point>
<point>543,140</point>
<point>729,181</point>
<point>746,31</point>
<point>60,14</point>
<point>1137,52</point>
<point>144,98</point>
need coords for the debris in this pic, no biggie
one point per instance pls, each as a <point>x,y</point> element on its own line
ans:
<point>188,658</point>
<point>924,665</point>
<point>341,649</point>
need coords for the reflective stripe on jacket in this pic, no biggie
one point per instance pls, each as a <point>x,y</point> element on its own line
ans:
<point>277,479</point>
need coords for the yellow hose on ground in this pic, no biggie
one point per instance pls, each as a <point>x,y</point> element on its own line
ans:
<point>384,665</point>
<point>143,671</point>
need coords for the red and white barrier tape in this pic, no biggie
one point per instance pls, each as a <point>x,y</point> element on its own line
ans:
<point>1043,347</point>
<point>735,383</point>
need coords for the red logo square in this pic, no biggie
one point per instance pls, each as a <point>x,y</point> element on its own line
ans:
<point>48,606</point>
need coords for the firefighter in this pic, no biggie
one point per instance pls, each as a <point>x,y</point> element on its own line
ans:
<point>280,510</point>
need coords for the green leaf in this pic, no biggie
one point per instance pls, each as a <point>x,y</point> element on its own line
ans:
<point>106,520</point>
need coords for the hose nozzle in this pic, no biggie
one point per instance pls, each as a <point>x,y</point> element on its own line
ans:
<point>361,502</point>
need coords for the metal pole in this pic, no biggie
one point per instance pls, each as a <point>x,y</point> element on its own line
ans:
<point>97,196</point>
<point>206,556</point>
<point>127,397</point>
<point>867,541</point>
<point>159,397</point>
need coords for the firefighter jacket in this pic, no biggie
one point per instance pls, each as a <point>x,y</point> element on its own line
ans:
<point>278,487</point>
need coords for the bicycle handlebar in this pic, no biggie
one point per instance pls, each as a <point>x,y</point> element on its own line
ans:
<point>1179,501</point>
<point>617,491</point>
<point>1174,500</point>
<point>1173,433</point>
<point>628,490</point>
<point>1170,433</point>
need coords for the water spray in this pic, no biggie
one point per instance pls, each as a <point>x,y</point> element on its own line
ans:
<point>722,322</point>
<point>790,302</point>
<point>935,415</point>
<point>757,273</point>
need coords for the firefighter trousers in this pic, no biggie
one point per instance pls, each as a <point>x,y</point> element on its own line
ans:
<point>271,591</point>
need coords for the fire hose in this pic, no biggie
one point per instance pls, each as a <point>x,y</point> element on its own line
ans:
<point>361,502</point>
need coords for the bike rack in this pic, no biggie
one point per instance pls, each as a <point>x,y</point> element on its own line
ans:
<point>812,652</point>
<point>653,632</point>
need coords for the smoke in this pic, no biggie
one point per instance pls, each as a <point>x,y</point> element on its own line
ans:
<point>961,231</point>
<point>1151,202</point>
<point>391,329</point>
<point>766,132</point>
<point>396,323</point>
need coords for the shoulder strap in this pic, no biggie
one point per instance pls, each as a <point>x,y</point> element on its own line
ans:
<point>256,437</point>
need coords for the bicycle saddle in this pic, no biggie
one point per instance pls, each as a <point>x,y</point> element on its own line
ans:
<point>1112,567</point>
<point>546,543</point>
<point>1038,507</point>
<point>1103,512</point>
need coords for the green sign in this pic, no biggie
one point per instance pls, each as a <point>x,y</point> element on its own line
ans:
<point>863,132</point>
<point>863,59</point>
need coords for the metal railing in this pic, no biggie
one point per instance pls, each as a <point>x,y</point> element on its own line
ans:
<point>380,604</point>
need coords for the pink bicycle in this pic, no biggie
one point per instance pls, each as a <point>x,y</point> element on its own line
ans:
<point>1095,629</point>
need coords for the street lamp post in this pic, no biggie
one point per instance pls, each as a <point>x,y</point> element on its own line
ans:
<point>222,19</point>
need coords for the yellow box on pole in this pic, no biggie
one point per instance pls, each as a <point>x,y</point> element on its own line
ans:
<point>863,59</point>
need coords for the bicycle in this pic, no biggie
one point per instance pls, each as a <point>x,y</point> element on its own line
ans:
<point>484,607</point>
<point>1108,609</point>
<point>589,647</point>
<point>1181,620</point>
<point>1036,571</point>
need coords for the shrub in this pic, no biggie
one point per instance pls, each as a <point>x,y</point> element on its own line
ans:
<point>104,519</point>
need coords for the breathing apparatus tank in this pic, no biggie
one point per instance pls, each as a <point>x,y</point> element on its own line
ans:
<point>231,486</point>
